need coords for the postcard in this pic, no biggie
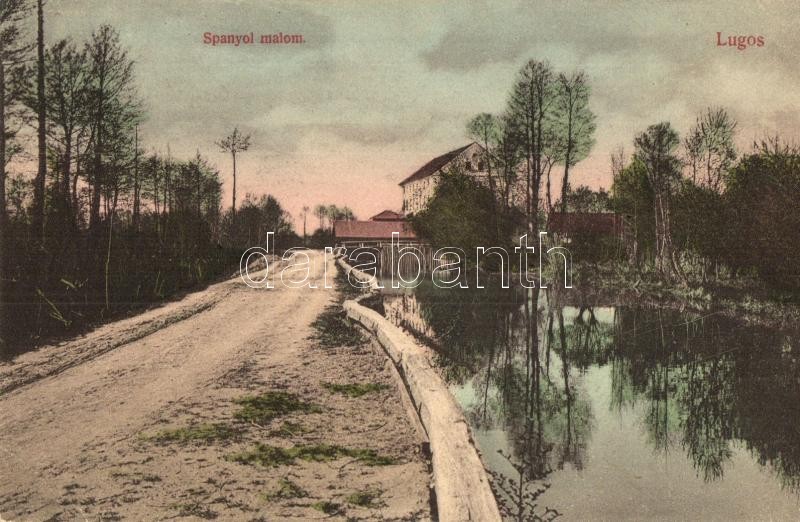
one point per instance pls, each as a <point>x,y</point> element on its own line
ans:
<point>420,260</point>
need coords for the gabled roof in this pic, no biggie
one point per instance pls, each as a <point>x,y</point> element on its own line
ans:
<point>435,164</point>
<point>387,215</point>
<point>372,229</point>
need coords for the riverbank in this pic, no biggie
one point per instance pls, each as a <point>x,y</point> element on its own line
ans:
<point>743,299</point>
<point>261,405</point>
<point>574,393</point>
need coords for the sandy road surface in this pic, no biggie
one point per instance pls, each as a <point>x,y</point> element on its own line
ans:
<point>74,418</point>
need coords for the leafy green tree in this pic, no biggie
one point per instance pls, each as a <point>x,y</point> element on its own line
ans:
<point>655,149</point>
<point>762,190</point>
<point>699,225</point>
<point>507,158</point>
<point>633,197</point>
<point>462,214</point>
<point>584,199</point>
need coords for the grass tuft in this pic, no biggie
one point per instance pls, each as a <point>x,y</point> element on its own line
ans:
<point>271,456</point>
<point>286,490</point>
<point>195,509</point>
<point>365,498</point>
<point>263,408</point>
<point>198,433</point>
<point>288,430</point>
<point>136,477</point>
<point>332,328</point>
<point>327,507</point>
<point>355,389</point>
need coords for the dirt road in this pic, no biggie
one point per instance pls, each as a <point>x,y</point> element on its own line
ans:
<point>148,418</point>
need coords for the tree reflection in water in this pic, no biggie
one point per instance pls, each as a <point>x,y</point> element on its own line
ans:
<point>700,384</point>
<point>710,383</point>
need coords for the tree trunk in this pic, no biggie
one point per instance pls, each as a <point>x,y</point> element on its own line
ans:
<point>492,184</point>
<point>39,185</point>
<point>94,214</point>
<point>166,206</point>
<point>67,176</point>
<point>2,148</point>
<point>156,201</point>
<point>657,215</point>
<point>567,161</point>
<point>549,196</point>
<point>233,207</point>
<point>666,258</point>
<point>75,208</point>
<point>136,184</point>
<point>3,213</point>
<point>108,251</point>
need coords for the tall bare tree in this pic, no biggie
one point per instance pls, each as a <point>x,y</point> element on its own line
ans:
<point>617,161</point>
<point>710,148</point>
<point>12,53</point>
<point>531,107</point>
<point>234,143</point>
<point>304,213</point>
<point>576,124</point>
<point>112,102</point>
<point>485,129</point>
<point>66,82</point>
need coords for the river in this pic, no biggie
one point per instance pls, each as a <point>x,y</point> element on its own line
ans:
<point>616,411</point>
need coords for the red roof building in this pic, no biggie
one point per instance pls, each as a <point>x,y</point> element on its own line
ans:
<point>378,229</point>
<point>372,230</point>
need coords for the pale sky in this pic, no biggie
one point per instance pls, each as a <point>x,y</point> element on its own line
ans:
<point>379,87</point>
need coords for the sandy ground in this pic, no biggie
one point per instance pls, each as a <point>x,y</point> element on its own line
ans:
<point>80,421</point>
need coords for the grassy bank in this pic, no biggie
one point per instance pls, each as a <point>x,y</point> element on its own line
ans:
<point>743,298</point>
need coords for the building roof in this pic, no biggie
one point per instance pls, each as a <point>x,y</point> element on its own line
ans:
<point>585,222</point>
<point>372,229</point>
<point>388,215</point>
<point>435,165</point>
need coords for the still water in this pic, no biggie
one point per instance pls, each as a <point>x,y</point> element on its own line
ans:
<point>617,412</point>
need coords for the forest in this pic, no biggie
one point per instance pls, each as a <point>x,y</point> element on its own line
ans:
<point>103,226</point>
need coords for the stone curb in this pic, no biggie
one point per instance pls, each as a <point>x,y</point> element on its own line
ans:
<point>460,480</point>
